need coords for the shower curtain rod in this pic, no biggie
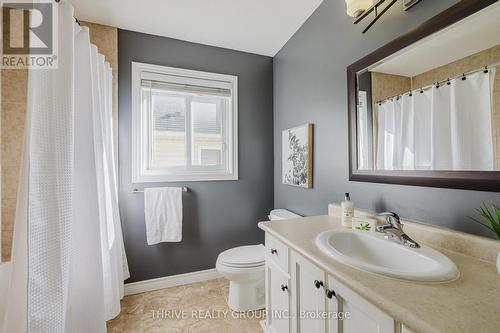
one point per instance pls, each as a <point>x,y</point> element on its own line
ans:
<point>439,83</point>
<point>76,20</point>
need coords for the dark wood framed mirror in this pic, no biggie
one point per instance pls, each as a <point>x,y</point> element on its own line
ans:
<point>424,109</point>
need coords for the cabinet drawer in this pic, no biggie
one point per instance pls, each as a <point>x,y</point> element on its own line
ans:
<point>277,252</point>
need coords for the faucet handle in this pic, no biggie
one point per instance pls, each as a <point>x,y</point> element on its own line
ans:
<point>394,230</point>
<point>392,219</point>
<point>391,214</point>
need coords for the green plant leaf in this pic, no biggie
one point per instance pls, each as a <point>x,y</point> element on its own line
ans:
<point>491,216</point>
<point>497,211</point>
<point>481,223</point>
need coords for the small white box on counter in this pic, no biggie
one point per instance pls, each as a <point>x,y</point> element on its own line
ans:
<point>334,210</point>
<point>364,224</point>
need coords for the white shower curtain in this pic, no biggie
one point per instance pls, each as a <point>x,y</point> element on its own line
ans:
<point>389,132</point>
<point>70,279</point>
<point>422,129</point>
<point>445,128</point>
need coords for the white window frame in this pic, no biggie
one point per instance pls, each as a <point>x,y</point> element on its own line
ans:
<point>140,137</point>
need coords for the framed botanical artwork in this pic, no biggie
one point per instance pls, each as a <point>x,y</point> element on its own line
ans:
<point>297,156</point>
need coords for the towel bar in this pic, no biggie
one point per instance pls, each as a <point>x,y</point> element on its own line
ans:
<point>184,189</point>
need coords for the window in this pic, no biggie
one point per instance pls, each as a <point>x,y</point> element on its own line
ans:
<point>184,125</point>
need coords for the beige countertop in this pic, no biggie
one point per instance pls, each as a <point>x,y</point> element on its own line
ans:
<point>469,304</point>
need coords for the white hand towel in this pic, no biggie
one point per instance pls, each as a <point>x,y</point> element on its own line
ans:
<point>163,214</point>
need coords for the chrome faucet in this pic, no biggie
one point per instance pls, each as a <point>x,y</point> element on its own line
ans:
<point>393,230</point>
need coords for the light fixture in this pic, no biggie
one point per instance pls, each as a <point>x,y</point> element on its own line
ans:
<point>360,9</point>
<point>357,7</point>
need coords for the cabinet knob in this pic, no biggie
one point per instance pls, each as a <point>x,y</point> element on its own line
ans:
<point>274,251</point>
<point>330,293</point>
<point>318,284</point>
<point>284,287</point>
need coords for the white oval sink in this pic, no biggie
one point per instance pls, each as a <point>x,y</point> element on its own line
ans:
<point>373,253</point>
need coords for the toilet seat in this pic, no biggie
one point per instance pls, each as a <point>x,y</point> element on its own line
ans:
<point>241,267</point>
<point>243,256</point>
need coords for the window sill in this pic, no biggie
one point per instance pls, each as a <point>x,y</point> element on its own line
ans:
<point>183,178</point>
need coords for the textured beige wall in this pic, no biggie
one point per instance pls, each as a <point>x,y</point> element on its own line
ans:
<point>14,87</point>
<point>470,63</point>
<point>387,85</point>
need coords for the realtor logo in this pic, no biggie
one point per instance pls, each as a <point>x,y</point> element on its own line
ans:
<point>29,37</point>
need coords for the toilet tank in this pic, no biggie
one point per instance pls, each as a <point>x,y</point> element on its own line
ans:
<point>282,214</point>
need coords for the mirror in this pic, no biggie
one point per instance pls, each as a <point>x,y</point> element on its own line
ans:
<point>429,107</point>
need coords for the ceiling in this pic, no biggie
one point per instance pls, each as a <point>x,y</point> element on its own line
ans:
<point>256,26</point>
<point>474,34</point>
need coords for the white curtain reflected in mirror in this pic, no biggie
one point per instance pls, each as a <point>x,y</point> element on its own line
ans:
<point>446,127</point>
<point>363,134</point>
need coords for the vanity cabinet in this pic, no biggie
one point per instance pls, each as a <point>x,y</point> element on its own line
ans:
<point>313,300</point>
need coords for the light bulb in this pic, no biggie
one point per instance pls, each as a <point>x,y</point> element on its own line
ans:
<point>357,7</point>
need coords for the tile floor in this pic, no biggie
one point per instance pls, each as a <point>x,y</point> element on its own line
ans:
<point>194,308</point>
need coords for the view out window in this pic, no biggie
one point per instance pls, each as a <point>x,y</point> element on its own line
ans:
<point>184,125</point>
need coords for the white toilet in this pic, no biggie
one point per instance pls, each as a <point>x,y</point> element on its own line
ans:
<point>244,267</point>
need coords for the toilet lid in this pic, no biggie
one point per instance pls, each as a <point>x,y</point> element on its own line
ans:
<point>250,255</point>
<point>282,214</point>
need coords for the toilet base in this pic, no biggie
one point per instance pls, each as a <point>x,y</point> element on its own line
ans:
<point>247,296</point>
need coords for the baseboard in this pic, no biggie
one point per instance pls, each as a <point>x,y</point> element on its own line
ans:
<point>170,281</point>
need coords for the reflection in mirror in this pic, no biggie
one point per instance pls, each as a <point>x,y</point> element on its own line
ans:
<point>436,104</point>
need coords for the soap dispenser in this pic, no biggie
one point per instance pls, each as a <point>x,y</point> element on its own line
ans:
<point>347,207</point>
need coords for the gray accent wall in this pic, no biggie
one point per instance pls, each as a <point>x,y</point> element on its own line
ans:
<point>310,85</point>
<point>217,215</point>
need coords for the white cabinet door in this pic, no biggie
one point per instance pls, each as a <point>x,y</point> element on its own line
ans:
<point>361,316</point>
<point>308,296</point>
<point>277,299</point>
<point>334,308</point>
